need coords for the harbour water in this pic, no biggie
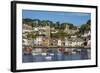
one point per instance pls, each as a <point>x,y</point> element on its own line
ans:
<point>54,55</point>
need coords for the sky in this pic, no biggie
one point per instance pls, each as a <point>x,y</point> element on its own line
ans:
<point>69,17</point>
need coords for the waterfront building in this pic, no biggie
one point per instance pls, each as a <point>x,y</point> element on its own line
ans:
<point>76,42</point>
<point>59,42</point>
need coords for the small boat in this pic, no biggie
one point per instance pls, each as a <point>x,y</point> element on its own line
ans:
<point>49,58</point>
<point>44,54</point>
<point>52,54</point>
<point>73,52</point>
<point>34,53</point>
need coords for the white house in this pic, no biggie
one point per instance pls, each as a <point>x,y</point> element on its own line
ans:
<point>38,40</point>
<point>59,42</point>
<point>89,43</point>
<point>86,34</point>
<point>26,28</point>
<point>74,42</point>
<point>36,29</point>
<point>74,36</point>
<point>26,42</point>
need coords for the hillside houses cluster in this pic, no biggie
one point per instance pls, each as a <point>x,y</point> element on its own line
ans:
<point>41,36</point>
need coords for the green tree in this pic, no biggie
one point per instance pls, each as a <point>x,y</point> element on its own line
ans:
<point>85,27</point>
<point>36,22</point>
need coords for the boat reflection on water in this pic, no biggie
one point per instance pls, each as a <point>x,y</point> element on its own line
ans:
<point>52,54</point>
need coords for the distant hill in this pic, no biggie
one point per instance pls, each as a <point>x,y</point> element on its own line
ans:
<point>57,25</point>
<point>36,22</point>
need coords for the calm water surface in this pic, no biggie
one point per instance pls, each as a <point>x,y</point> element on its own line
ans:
<point>54,55</point>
